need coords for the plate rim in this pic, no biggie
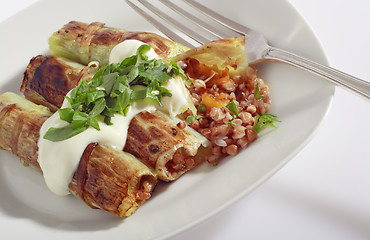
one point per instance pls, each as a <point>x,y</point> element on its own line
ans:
<point>287,159</point>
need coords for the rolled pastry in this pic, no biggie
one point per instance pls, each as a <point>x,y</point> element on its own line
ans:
<point>108,179</point>
<point>153,137</point>
<point>83,43</point>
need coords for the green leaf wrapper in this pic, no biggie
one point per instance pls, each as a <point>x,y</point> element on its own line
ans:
<point>111,91</point>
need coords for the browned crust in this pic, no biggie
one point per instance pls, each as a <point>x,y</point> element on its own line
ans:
<point>104,179</point>
<point>82,173</point>
<point>47,80</point>
<point>160,45</point>
<point>151,135</point>
<point>18,135</point>
<point>96,34</point>
<point>94,179</point>
<point>89,34</point>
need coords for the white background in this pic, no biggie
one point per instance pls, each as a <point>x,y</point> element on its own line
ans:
<point>323,192</point>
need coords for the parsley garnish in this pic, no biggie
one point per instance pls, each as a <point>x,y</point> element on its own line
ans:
<point>191,118</point>
<point>202,107</point>
<point>263,121</point>
<point>257,94</point>
<point>111,91</point>
<point>233,108</point>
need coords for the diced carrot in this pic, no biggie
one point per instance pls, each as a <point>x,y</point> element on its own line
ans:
<point>219,78</point>
<point>211,101</point>
<point>197,70</point>
<point>218,81</point>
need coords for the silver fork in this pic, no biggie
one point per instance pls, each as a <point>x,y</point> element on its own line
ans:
<point>258,49</point>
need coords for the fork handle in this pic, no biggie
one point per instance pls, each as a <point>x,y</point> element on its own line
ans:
<point>347,81</point>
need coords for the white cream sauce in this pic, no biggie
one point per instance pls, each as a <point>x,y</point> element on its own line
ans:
<point>127,49</point>
<point>180,100</point>
<point>59,160</point>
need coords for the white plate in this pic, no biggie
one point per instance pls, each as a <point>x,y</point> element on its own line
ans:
<point>301,101</point>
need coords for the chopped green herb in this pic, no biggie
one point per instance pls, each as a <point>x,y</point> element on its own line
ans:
<point>202,107</point>
<point>111,91</point>
<point>60,134</point>
<point>176,69</point>
<point>233,108</point>
<point>257,94</point>
<point>231,123</point>
<point>66,114</point>
<point>191,118</point>
<point>263,121</point>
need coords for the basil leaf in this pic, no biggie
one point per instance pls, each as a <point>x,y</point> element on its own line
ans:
<point>60,134</point>
<point>142,50</point>
<point>155,74</point>
<point>66,114</point>
<point>233,108</point>
<point>83,86</point>
<point>97,79</point>
<point>138,94</point>
<point>126,64</point>
<point>108,81</point>
<point>79,119</point>
<point>133,74</point>
<point>123,100</point>
<point>135,78</point>
<point>98,108</point>
<point>93,122</point>
<point>177,70</point>
<point>108,114</point>
<point>94,96</point>
<point>120,86</point>
<point>108,121</point>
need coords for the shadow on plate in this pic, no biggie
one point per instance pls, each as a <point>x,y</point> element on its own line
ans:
<point>25,196</point>
<point>13,84</point>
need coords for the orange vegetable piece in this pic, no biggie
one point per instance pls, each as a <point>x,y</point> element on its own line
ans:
<point>218,81</point>
<point>197,70</point>
<point>211,101</point>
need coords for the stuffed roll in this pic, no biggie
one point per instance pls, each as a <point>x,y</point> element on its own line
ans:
<point>157,139</point>
<point>83,43</point>
<point>105,178</point>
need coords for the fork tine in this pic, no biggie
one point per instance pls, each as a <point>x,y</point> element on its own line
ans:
<point>192,34</point>
<point>216,32</point>
<point>165,30</point>
<point>219,18</point>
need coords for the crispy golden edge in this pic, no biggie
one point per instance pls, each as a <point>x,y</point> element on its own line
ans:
<point>151,135</point>
<point>84,42</point>
<point>111,178</point>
